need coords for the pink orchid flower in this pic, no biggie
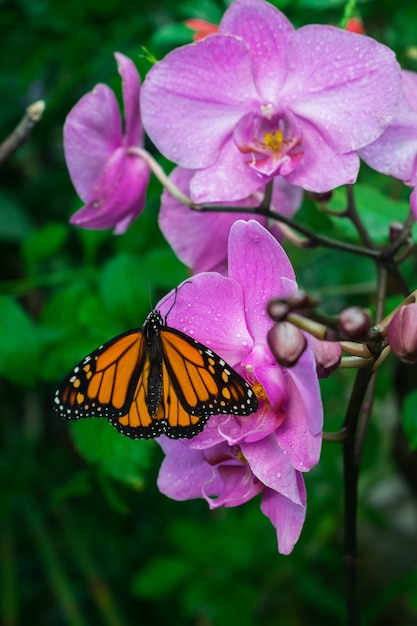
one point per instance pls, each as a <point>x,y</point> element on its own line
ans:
<point>111,181</point>
<point>235,458</point>
<point>395,152</point>
<point>260,99</point>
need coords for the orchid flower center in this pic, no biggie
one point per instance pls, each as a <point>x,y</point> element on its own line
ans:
<point>259,390</point>
<point>274,140</point>
<point>270,143</point>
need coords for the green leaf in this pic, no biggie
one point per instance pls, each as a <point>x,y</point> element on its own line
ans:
<point>171,35</point>
<point>74,322</point>
<point>91,241</point>
<point>123,286</point>
<point>162,576</point>
<point>320,4</point>
<point>77,484</point>
<point>122,458</point>
<point>43,243</point>
<point>14,223</point>
<point>19,352</point>
<point>409,415</point>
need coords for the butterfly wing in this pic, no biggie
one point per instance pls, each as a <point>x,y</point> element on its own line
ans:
<point>104,383</point>
<point>198,383</point>
<point>114,382</point>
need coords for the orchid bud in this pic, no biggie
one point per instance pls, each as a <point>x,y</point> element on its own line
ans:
<point>301,300</point>
<point>287,343</point>
<point>355,25</point>
<point>395,230</point>
<point>402,333</point>
<point>278,309</point>
<point>201,28</point>
<point>328,355</point>
<point>354,323</point>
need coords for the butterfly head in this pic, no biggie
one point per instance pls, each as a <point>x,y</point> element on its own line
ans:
<point>152,326</point>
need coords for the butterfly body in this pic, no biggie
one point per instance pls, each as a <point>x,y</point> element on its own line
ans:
<point>151,331</point>
<point>154,380</point>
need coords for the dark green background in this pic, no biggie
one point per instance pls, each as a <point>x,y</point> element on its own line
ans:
<point>86,538</point>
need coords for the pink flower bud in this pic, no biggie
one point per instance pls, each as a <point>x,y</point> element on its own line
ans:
<point>278,309</point>
<point>402,333</point>
<point>328,355</point>
<point>354,323</point>
<point>287,343</point>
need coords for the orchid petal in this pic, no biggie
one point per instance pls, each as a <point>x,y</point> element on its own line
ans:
<point>228,179</point>
<point>117,195</point>
<point>199,239</point>
<point>92,131</point>
<point>193,137</point>
<point>333,89</point>
<point>287,516</point>
<point>130,87</point>
<point>239,486</point>
<point>303,414</point>
<point>253,251</point>
<point>209,307</point>
<point>265,30</point>
<point>395,152</point>
<point>322,167</point>
<point>272,467</point>
<point>184,471</point>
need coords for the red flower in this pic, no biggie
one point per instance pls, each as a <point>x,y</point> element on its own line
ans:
<point>202,28</point>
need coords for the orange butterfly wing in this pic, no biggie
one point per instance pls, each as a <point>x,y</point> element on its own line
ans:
<point>196,383</point>
<point>191,381</point>
<point>104,383</point>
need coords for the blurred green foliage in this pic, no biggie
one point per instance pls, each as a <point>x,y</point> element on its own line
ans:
<point>86,538</point>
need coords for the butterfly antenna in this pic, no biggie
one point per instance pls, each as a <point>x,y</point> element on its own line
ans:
<point>175,299</point>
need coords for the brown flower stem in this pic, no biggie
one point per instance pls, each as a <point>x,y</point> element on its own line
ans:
<point>351,474</point>
<point>353,215</point>
<point>313,240</point>
<point>21,133</point>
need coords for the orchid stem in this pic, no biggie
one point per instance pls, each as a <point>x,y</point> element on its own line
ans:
<point>353,215</point>
<point>351,475</point>
<point>21,133</point>
<point>162,177</point>
<point>313,239</point>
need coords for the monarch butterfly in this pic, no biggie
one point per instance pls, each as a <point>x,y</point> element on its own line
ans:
<point>152,381</point>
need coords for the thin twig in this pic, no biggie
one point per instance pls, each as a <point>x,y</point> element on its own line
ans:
<point>22,131</point>
<point>314,239</point>
<point>353,215</point>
